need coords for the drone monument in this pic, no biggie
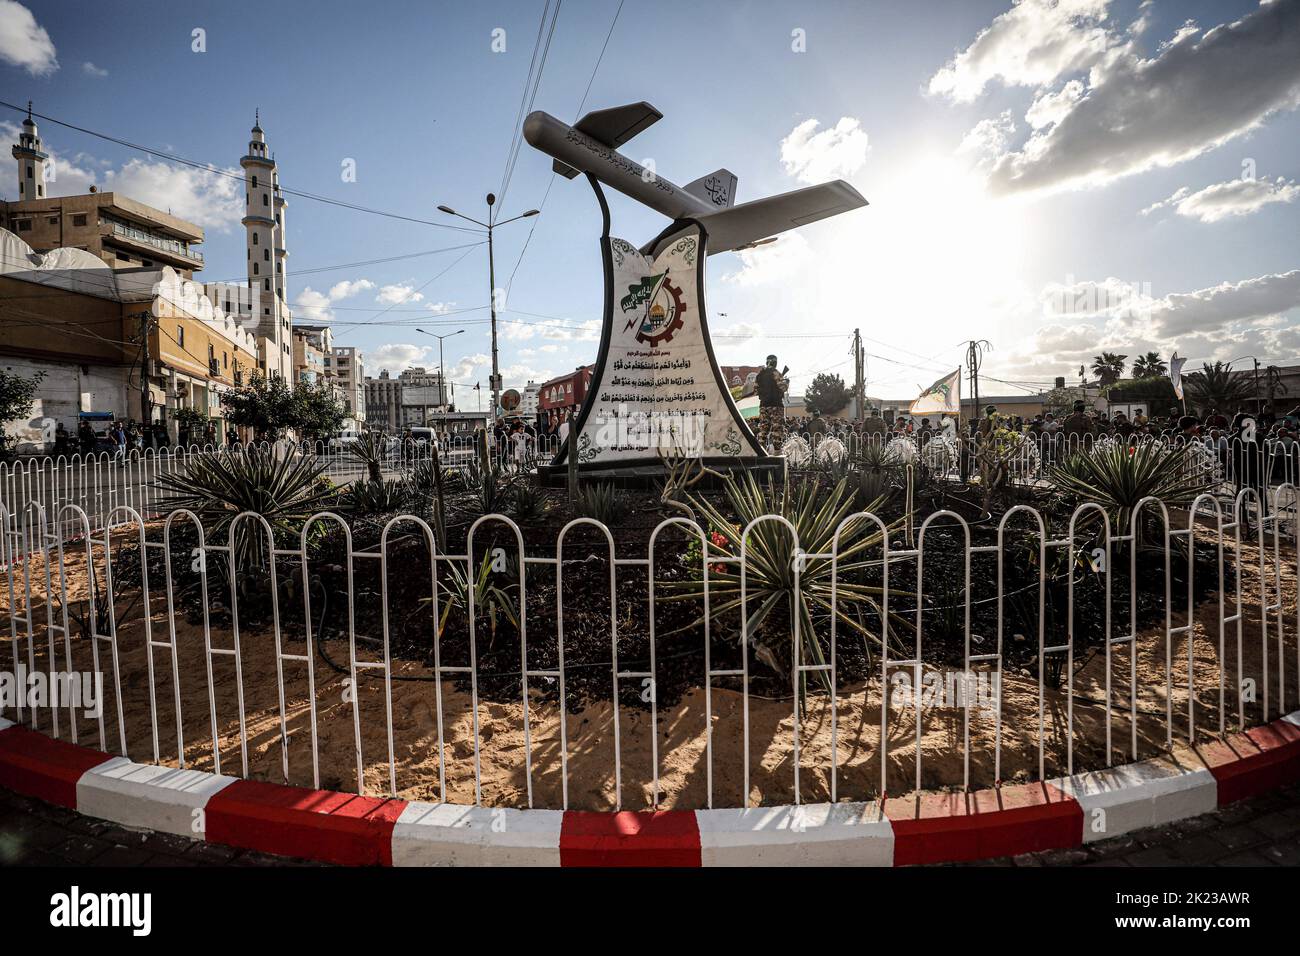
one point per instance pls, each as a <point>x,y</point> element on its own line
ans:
<point>657,388</point>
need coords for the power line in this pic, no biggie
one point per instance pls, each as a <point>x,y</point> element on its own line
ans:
<point>551,181</point>
<point>173,158</point>
<point>428,282</point>
<point>531,84</point>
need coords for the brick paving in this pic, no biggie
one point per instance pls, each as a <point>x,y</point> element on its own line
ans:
<point>1262,831</point>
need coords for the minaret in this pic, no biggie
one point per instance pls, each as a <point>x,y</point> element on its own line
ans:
<point>282,268</point>
<point>265,312</point>
<point>31,160</point>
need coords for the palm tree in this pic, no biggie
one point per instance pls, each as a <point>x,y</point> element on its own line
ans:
<point>1215,386</point>
<point>1108,367</point>
<point>1149,366</point>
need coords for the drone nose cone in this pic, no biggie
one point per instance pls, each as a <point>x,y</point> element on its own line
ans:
<point>535,126</point>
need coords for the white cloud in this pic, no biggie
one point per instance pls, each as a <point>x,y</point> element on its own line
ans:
<point>833,153</point>
<point>1216,323</point>
<point>313,306</point>
<point>397,294</point>
<point>348,288</point>
<point>1031,44</point>
<point>558,330</point>
<point>90,69</point>
<point>1048,109</point>
<point>203,196</point>
<point>989,137</point>
<point>1192,96</point>
<point>1262,297</point>
<point>24,42</point>
<point>774,262</point>
<point>440,308</point>
<point>396,357</point>
<point>739,332</point>
<point>1236,197</point>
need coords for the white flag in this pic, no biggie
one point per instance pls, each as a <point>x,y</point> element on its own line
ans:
<point>941,398</point>
<point>1176,374</point>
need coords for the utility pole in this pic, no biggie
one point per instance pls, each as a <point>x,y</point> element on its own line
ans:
<point>146,406</point>
<point>1258,404</point>
<point>490,225</point>
<point>860,374</point>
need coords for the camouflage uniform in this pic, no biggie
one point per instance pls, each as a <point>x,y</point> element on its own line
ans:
<point>771,426</point>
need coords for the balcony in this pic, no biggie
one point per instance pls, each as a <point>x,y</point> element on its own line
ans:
<point>162,244</point>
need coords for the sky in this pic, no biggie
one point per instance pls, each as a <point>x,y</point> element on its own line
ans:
<point>1056,178</point>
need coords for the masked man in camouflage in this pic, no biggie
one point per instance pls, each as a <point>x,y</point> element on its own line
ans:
<point>771,385</point>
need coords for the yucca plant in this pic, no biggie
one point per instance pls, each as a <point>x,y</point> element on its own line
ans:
<point>1117,476</point>
<point>875,471</point>
<point>377,497</point>
<point>498,601</point>
<point>491,484</point>
<point>816,512</point>
<point>599,500</point>
<point>529,500</point>
<point>284,488</point>
<point>369,449</point>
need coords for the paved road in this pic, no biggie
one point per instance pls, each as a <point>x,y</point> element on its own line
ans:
<point>1263,831</point>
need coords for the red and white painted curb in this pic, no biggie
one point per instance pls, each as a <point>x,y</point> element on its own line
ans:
<point>920,828</point>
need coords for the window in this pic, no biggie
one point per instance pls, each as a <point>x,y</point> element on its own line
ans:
<point>256,268</point>
<point>266,255</point>
<point>24,225</point>
<point>40,190</point>
<point>29,170</point>
<point>79,219</point>
<point>53,220</point>
<point>266,200</point>
<point>266,284</point>
<point>225,360</point>
<point>254,238</point>
<point>180,336</point>
<point>254,182</point>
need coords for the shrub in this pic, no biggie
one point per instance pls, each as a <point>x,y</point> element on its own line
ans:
<point>285,488</point>
<point>599,500</point>
<point>377,497</point>
<point>816,512</point>
<point>1117,476</point>
<point>369,449</point>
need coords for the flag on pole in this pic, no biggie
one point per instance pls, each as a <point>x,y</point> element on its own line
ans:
<point>941,398</point>
<point>1176,374</point>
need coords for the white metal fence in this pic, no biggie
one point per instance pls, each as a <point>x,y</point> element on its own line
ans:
<point>100,483</point>
<point>57,559</point>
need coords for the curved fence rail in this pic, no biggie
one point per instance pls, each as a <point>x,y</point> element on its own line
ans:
<point>1229,658</point>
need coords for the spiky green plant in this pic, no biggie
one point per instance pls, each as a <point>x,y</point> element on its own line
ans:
<point>370,449</point>
<point>491,484</point>
<point>816,512</point>
<point>284,488</point>
<point>530,501</point>
<point>371,497</point>
<point>599,500</point>
<point>498,601</point>
<point>875,471</point>
<point>1117,476</point>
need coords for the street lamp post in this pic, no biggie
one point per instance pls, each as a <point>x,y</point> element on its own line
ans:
<point>442,372</point>
<point>490,225</point>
